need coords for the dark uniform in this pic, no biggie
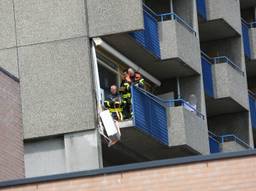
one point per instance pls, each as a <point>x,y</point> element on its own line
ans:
<point>125,90</point>
<point>114,104</point>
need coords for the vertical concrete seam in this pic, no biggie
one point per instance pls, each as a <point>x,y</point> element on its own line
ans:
<point>20,97</point>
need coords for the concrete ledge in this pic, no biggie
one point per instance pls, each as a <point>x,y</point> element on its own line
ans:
<point>186,128</point>
<point>178,43</point>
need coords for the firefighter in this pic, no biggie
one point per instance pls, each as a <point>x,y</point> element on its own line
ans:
<point>139,81</point>
<point>125,90</point>
<point>114,104</point>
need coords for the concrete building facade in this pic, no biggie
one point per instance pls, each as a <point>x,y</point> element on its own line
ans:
<point>197,58</point>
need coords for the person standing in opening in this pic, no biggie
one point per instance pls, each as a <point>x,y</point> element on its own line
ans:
<point>125,90</point>
<point>139,81</point>
<point>114,104</point>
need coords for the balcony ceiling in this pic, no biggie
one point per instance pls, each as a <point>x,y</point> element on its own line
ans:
<point>215,30</point>
<point>162,70</point>
<point>247,3</point>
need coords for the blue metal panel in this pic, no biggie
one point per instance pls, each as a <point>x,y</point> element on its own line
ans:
<point>207,76</point>
<point>214,145</point>
<point>246,40</point>
<point>149,116</point>
<point>252,103</point>
<point>201,9</point>
<point>149,37</point>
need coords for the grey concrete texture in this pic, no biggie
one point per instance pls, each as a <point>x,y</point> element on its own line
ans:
<point>232,146</point>
<point>41,21</point>
<point>8,61</point>
<point>56,88</point>
<point>44,157</point>
<point>228,10</point>
<point>7,26</point>
<point>186,128</point>
<point>73,152</point>
<point>176,41</point>
<point>110,17</point>
<point>252,35</point>
<point>228,82</point>
<point>82,151</point>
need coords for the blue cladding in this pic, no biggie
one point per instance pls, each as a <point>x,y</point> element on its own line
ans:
<point>207,76</point>
<point>246,40</point>
<point>149,116</point>
<point>252,103</point>
<point>214,145</point>
<point>149,37</point>
<point>201,9</point>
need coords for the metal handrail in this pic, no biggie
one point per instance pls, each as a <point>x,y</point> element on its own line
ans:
<point>173,16</point>
<point>166,103</point>
<point>222,139</point>
<point>252,94</point>
<point>249,25</point>
<point>235,138</point>
<point>220,59</point>
<point>213,136</point>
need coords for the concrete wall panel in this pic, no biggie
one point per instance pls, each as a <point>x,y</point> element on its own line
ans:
<point>68,153</point>
<point>228,81</point>
<point>176,41</point>
<point>7,26</point>
<point>47,20</point>
<point>110,17</point>
<point>186,128</point>
<point>253,42</point>
<point>8,61</point>
<point>56,88</point>
<point>229,10</point>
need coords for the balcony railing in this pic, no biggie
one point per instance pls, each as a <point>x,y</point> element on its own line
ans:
<point>246,39</point>
<point>149,37</point>
<point>207,62</point>
<point>215,141</point>
<point>224,59</point>
<point>150,113</point>
<point>252,102</point>
<point>173,16</point>
<point>207,74</point>
<point>201,9</point>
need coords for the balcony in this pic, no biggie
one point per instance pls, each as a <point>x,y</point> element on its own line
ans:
<point>163,129</point>
<point>222,19</point>
<point>226,143</point>
<point>249,41</point>
<point>252,102</point>
<point>222,79</point>
<point>167,46</point>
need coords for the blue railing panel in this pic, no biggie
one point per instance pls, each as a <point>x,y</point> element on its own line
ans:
<point>201,9</point>
<point>207,76</point>
<point>214,145</point>
<point>150,116</point>
<point>252,103</point>
<point>149,37</point>
<point>246,40</point>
